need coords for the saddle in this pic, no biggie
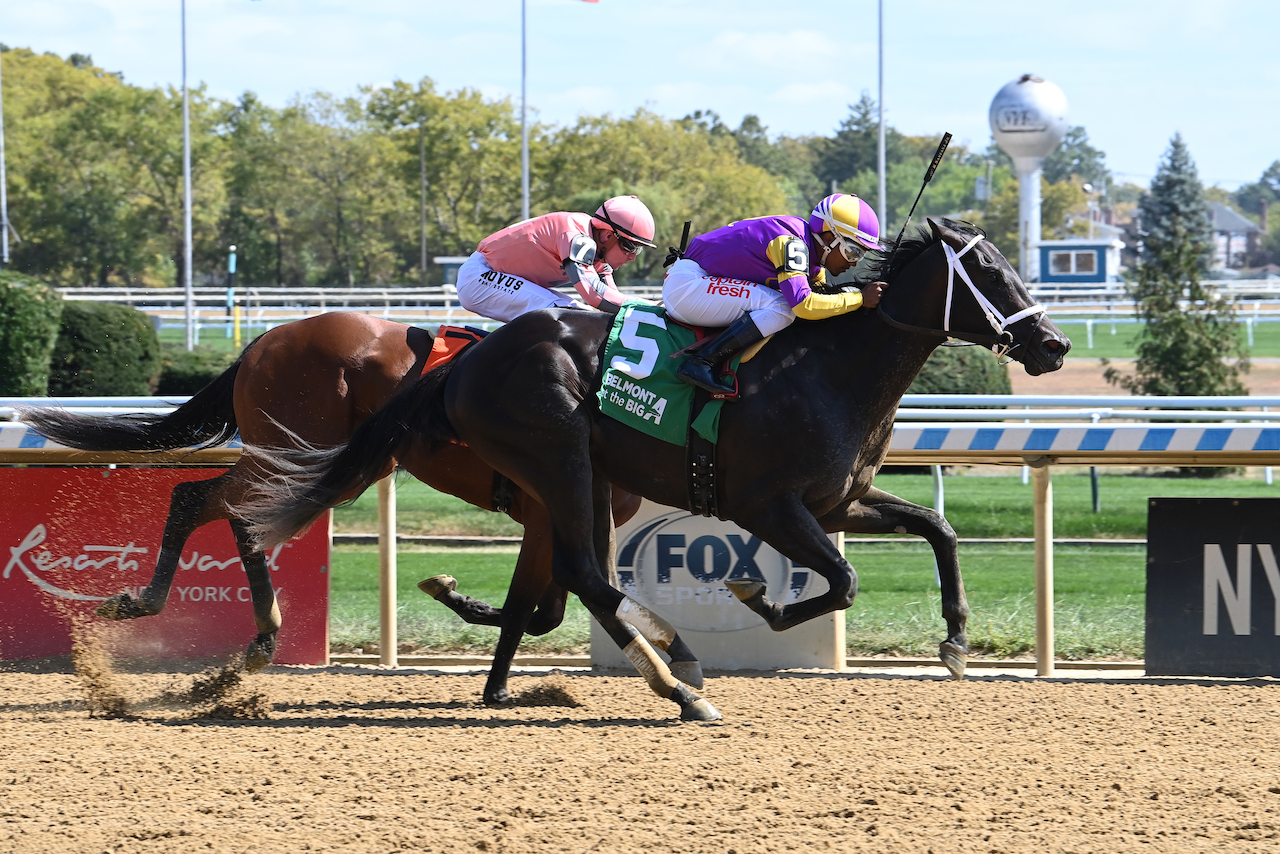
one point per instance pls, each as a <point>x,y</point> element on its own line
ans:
<point>449,343</point>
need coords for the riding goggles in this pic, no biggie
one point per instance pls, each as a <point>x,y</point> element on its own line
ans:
<point>627,244</point>
<point>851,250</point>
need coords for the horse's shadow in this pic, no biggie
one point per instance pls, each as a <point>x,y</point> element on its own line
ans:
<point>279,722</point>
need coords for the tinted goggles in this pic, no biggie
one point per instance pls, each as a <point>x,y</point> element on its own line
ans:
<point>627,244</point>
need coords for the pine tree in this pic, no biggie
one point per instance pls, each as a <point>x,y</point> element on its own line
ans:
<point>1188,333</point>
<point>1175,211</point>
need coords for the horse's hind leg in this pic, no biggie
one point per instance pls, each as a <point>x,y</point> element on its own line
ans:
<point>529,586</point>
<point>189,508</point>
<point>878,512</point>
<point>266,611</point>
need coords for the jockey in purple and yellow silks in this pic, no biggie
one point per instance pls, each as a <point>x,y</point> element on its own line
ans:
<point>756,276</point>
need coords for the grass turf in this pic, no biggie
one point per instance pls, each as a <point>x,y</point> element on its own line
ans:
<point>1099,610</point>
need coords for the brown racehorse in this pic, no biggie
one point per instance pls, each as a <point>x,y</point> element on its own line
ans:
<point>319,379</point>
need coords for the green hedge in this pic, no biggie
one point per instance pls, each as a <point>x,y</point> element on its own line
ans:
<point>29,314</point>
<point>104,349</point>
<point>962,370</point>
<point>185,371</point>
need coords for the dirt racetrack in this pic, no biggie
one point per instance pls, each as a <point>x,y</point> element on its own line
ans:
<point>368,760</point>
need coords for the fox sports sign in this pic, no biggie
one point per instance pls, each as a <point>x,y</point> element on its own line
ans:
<point>678,563</point>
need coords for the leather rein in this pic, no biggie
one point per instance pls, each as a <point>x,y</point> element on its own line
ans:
<point>1002,342</point>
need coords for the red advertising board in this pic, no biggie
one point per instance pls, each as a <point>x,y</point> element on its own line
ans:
<point>74,536</point>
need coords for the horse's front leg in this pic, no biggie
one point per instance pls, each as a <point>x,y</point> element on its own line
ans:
<point>878,512</point>
<point>791,529</point>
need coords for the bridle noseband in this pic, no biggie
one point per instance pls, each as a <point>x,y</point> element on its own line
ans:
<point>1002,342</point>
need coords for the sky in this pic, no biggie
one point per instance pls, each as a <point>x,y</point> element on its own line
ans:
<point>1134,72</point>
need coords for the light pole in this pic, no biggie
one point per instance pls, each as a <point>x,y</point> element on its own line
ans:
<point>4,191</point>
<point>186,193</point>
<point>422,190</point>
<point>524,122</point>
<point>231,287</point>
<point>880,164</point>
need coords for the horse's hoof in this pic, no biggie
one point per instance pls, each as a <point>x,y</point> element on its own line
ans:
<point>121,606</point>
<point>745,588</point>
<point>954,658</point>
<point>700,710</point>
<point>688,672</point>
<point>261,652</point>
<point>499,698</point>
<point>438,585</point>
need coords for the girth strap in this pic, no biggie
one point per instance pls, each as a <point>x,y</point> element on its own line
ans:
<point>700,457</point>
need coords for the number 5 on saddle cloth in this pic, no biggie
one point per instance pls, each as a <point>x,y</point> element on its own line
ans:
<point>639,388</point>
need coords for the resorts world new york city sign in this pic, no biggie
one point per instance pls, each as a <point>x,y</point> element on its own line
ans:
<point>74,536</point>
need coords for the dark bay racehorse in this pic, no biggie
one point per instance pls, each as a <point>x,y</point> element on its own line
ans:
<point>321,378</point>
<point>796,455</point>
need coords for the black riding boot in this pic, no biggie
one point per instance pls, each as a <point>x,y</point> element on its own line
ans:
<point>703,365</point>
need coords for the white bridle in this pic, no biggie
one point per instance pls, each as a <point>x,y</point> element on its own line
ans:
<point>998,321</point>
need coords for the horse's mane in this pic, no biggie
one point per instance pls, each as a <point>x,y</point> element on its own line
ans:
<point>884,265</point>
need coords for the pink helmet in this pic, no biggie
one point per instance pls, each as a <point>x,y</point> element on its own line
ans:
<point>628,216</point>
<point>847,216</point>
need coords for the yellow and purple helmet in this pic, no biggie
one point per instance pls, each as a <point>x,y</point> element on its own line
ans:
<point>849,217</point>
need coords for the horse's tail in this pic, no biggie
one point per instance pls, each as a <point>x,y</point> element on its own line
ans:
<point>310,480</point>
<point>207,419</point>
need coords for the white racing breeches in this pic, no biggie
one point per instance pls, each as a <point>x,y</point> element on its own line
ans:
<point>693,296</point>
<point>503,296</point>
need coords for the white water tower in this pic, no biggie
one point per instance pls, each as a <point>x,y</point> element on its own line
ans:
<point>1028,119</point>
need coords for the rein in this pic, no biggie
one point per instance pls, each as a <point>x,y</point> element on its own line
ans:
<point>1002,342</point>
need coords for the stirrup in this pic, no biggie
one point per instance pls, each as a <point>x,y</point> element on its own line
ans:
<point>697,372</point>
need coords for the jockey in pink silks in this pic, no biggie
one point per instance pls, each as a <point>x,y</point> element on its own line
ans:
<point>512,271</point>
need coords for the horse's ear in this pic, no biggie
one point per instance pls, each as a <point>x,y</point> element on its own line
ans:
<point>939,230</point>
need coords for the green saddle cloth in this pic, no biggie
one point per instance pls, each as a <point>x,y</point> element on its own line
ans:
<point>640,387</point>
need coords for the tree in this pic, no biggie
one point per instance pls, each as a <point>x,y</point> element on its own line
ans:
<point>1075,157</point>
<point>342,180</point>
<point>854,148</point>
<point>680,172</point>
<point>1250,197</point>
<point>1188,334</point>
<point>1173,217</point>
<point>472,163</point>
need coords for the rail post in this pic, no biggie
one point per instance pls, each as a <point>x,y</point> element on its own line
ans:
<point>387,654</point>
<point>1044,566</point>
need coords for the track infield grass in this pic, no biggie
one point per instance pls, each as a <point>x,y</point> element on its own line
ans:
<point>1100,589</point>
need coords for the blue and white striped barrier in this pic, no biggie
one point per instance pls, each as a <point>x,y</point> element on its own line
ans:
<point>912,442</point>
<point>1097,444</point>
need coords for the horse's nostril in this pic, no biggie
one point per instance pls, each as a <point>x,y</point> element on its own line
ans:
<point>1053,345</point>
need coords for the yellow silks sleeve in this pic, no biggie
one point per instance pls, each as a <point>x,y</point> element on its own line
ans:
<point>821,306</point>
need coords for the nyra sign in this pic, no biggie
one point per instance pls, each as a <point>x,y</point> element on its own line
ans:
<point>677,564</point>
<point>1213,587</point>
